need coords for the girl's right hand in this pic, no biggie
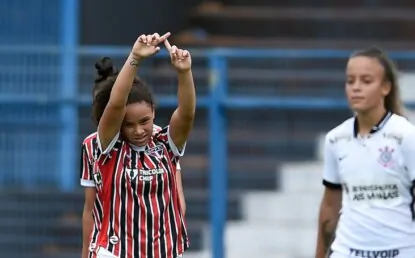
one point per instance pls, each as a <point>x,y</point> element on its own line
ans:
<point>147,45</point>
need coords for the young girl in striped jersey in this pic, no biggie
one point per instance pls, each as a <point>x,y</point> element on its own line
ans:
<point>92,213</point>
<point>142,216</point>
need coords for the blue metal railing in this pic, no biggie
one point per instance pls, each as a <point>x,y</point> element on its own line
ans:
<point>69,75</point>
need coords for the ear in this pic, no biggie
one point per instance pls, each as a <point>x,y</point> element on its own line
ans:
<point>154,113</point>
<point>386,87</point>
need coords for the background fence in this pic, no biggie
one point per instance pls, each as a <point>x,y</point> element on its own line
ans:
<point>256,107</point>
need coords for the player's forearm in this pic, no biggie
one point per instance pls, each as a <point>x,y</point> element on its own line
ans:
<point>124,82</point>
<point>87,225</point>
<point>186,95</point>
<point>326,229</point>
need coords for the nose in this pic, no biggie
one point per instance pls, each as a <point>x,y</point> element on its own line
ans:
<point>138,130</point>
<point>356,86</point>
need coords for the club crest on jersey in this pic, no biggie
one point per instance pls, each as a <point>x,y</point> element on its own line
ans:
<point>132,173</point>
<point>97,175</point>
<point>156,151</point>
<point>386,155</point>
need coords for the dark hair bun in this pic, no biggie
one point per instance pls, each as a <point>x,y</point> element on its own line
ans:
<point>105,68</point>
<point>376,50</point>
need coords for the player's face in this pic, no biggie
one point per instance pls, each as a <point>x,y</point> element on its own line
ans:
<point>365,84</point>
<point>137,126</point>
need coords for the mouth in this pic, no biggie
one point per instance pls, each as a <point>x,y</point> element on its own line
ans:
<point>140,141</point>
<point>357,98</point>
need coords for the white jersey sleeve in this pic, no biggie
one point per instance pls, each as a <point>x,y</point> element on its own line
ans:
<point>331,178</point>
<point>408,152</point>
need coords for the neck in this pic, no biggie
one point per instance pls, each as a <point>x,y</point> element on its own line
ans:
<point>369,119</point>
<point>137,148</point>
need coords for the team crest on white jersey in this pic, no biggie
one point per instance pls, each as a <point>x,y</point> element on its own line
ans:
<point>386,156</point>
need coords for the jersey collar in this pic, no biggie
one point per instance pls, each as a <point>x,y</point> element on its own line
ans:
<point>376,127</point>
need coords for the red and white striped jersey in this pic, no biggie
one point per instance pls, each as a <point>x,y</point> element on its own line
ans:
<point>142,213</point>
<point>90,153</point>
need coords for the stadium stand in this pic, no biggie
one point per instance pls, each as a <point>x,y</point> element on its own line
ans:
<point>301,24</point>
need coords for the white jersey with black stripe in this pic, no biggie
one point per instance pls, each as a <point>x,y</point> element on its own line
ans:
<point>376,174</point>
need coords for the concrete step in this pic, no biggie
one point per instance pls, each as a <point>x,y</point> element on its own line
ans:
<point>305,177</point>
<point>256,237</point>
<point>281,208</point>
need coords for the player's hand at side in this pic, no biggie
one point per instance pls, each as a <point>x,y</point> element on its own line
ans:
<point>180,58</point>
<point>147,45</point>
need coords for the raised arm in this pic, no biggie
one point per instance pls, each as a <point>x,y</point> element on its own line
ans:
<point>114,112</point>
<point>181,122</point>
<point>331,203</point>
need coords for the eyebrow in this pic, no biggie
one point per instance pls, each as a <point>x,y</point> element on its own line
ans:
<point>140,120</point>
<point>145,118</point>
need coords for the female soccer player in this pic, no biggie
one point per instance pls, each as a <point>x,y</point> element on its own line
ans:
<point>369,168</point>
<point>141,208</point>
<point>92,214</point>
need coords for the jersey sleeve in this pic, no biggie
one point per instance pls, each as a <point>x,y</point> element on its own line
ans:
<point>178,167</point>
<point>86,169</point>
<point>408,152</point>
<point>173,152</point>
<point>331,178</point>
<point>110,146</point>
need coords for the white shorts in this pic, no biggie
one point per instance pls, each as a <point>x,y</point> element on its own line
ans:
<point>103,253</point>
<point>394,253</point>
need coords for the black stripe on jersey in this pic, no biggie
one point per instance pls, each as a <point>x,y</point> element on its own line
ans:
<point>99,209</point>
<point>81,162</point>
<point>170,177</point>
<point>149,213</point>
<point>123,215</point>
<point>412,205</point>
<point>136,230</point>
<point>161,207</point>
<point>95,233</point>
<point>331,185</point>
<point>173,227</point>
<point>95,149</point>
<point>113,210</point>
<point>184,236</point>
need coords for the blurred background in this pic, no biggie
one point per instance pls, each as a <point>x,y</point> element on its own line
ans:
<point>269,77</point>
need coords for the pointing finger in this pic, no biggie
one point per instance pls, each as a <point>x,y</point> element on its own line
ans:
<point>167,44</point>
<point>164,37</point>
